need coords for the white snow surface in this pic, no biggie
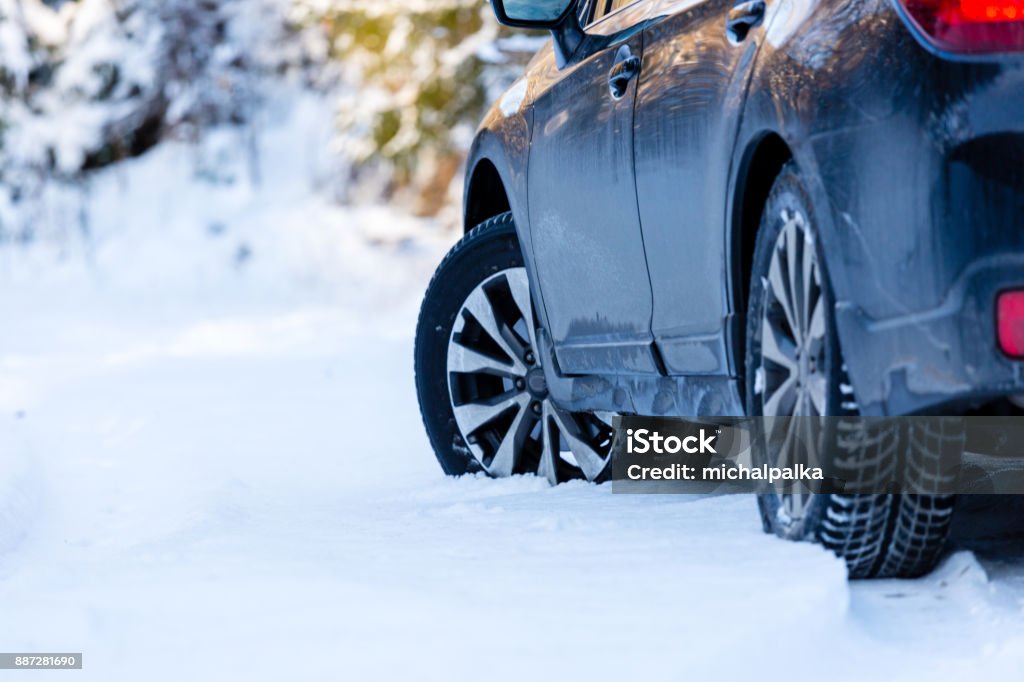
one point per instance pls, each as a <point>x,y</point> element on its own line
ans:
<point>212,466</point>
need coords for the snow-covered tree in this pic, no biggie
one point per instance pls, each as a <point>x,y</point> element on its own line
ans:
<point>421,73</point>
<point>86,83</point>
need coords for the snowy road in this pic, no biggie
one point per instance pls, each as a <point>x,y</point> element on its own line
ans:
<point>212,467</point>
<point>201,493</point>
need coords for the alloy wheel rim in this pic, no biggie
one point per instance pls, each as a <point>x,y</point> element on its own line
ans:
<point>499,395</point>
<point>791,378</point>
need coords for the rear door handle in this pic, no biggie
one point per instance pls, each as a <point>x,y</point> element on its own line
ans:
<point>624,70</point>
<point>742,18</point>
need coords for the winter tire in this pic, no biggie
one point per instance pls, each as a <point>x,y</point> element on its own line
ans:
<point>481,386</point>
<point>794,367</point>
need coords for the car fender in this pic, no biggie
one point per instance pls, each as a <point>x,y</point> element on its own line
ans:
<point>503,140</point>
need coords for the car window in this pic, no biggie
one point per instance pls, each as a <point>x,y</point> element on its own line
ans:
<point>618,4</point>
<point>584,9</point>
<point>603,8</point>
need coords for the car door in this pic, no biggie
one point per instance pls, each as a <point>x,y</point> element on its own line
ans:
<point>585,227</point>
<point>689,100</point>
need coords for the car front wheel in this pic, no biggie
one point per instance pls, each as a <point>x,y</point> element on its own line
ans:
<point>479,372</point>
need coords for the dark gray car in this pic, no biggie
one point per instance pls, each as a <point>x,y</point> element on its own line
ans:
<point>708,208</point>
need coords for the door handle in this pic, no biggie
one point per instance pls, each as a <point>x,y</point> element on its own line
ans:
<point>624,70</point>
<point>742,18</point>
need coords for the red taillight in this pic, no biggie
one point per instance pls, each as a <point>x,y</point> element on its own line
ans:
<point>991,10</point>
<point>970,26</point>
<point>1010,322</point>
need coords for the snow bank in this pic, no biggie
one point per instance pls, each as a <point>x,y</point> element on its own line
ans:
<point>244,218</point>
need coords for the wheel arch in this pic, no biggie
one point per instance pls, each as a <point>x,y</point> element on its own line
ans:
<point>763,158</point>
<point>486,195</point>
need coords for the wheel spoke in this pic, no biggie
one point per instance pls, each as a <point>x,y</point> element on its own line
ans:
<point>816,325</point>
<point>471,416</point>
<point>780,290</point>
<point>805,452</point>
<point>809,438</point>
<point>787,452</point>
<point>479,306</point>
<point>519,285</point>
<point>781,352</point>
<point>549,447</point>
<point>794,261</point>
<point>816,389</point>
<point>781,401</point>
<point>809,284</point>
<point>507,455</point>
<point>468,361</point>
<point>586,456</point>
<point>796,499</point>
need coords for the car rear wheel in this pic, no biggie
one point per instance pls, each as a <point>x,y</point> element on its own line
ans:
<point>479,375</point>
<point>794,367</point>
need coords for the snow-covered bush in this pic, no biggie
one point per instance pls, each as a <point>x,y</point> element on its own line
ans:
<point>86,83</point>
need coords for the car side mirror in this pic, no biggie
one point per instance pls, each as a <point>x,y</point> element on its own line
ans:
<point>558,16</point>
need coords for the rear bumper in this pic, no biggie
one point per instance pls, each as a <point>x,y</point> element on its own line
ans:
<point>926,205</point>
<point>942,360</point>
